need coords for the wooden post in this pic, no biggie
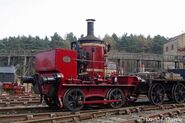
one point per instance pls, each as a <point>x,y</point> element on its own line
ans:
<point>24,65</point>
<point>176,65</point>
<point>9,60</point>
<point>119,66</point>
<point>159,64</point>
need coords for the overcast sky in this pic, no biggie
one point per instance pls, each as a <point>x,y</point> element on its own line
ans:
<point>44,17</point>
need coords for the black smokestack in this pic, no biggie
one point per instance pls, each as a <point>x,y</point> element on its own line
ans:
<point>90,27</point>
<point>90,38</point>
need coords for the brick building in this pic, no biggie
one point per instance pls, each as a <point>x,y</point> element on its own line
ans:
<point>174,46</point>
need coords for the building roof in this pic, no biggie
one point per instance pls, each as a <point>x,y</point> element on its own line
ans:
<point>175,38</point>
<point>7,69</point>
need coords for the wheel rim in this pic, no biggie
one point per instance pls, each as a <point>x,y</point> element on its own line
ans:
<point>116,94</point>
<point>179,93</point>
<point>156,94</point>
<point>73,100</point>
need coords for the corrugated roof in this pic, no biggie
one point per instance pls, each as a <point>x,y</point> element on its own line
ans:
<point>7,69</point>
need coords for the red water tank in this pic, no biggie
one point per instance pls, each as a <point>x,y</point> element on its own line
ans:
<point>57,60</point>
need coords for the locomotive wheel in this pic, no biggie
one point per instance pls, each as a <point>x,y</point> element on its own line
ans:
<point>178,93</point>
<point>116,94</point>
<point>52,102</point>
<point>73,99</point>
<point>156,94</point>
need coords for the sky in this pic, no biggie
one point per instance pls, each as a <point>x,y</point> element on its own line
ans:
<point>45,17</point>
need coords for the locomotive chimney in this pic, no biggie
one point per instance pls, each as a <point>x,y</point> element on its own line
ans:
<point>90,38</point>
<point>90,27</point>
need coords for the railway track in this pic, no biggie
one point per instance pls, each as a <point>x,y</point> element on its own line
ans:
<point>159,115</point>
<point>24,109</point>
<point>21,100</point>
<point>26,104</point>
<point>19,103</point>
<point>19,96</point>
<point>25,100</point>
<point>50,117</point>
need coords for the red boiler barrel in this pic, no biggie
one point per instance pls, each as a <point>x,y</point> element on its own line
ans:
<point>96,51</point>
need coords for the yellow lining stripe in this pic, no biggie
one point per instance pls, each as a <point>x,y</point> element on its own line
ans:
<point>93,44</point>
<point>95,70</point>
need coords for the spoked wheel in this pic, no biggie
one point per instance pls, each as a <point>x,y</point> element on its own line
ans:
<point>116,94</point>
<point>178,93</point>
<point>156,94</point>
<point>52,102</point>
<point>73,99</point>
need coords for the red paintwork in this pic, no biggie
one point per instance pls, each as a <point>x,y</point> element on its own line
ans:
<point>128,80</point>
<point>19,89</point>
<point>64,62</point>
<point>97,58</point>
<point>57,60</point>
<point>83,68</point>
<point>7,86</point>
<point>92,82</point>
<point>16,89</point>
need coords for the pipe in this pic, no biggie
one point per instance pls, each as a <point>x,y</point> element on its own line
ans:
<point>90,27</point>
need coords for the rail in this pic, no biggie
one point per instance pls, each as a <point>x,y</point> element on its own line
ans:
<point>24,100</point>
<point>91,114</point>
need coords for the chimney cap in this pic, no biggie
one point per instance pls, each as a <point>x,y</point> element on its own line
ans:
<point>90,20</point>
<point>90,38</point>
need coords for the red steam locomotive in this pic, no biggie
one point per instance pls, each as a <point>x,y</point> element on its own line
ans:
<point>74,78</point>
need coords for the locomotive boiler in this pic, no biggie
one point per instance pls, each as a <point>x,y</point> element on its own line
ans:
<point>76,77</point>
